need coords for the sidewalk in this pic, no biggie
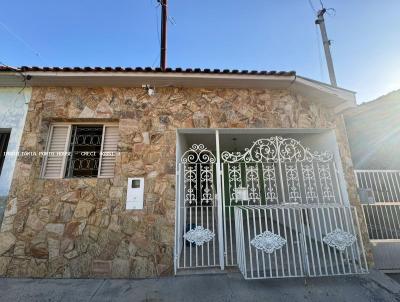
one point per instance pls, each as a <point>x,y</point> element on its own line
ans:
<point>222,287</point>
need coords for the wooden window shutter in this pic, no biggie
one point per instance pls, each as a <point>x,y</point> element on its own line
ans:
<point>54,164</point>
<point>108,151</point>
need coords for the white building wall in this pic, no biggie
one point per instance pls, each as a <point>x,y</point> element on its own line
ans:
<point>13,109</point>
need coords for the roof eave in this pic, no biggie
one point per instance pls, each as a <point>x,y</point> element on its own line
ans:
<point>313,90</point>
<point>340,98</point>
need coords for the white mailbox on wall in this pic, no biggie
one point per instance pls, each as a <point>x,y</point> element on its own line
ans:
<point>135,193</point>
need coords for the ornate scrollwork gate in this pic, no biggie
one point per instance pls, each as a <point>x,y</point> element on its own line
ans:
<point>197,242</point>
<point>283,212</point>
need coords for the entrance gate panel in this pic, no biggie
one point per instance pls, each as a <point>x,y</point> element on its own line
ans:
<point>197,244</point>
<point>283,213</point>
<point>332,240</point>
<point>268,242</point>
<point>275,171</point>
<point>295,241</point>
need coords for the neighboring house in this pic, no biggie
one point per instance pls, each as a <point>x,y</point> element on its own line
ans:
<point>13,107</point>
<point>151,172</point>
<point>374,136</point>
<point>374,133</point>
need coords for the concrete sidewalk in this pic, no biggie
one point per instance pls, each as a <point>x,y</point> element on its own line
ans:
<point>222,287</point>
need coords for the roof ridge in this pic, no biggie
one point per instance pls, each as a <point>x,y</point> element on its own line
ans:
<point>147,69</point>
<point>381,98</point>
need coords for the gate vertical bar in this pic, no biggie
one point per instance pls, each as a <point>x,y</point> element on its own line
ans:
<point>177,214</point>
<point>280,170</point>
<point>303,244</point>
<point>219,203</point>
<point>365,267</point>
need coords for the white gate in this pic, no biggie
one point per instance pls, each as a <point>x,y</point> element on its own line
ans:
<point>298,240</point>
<point>197,240</point>
<point>380,197</point>
<point>283,212</point>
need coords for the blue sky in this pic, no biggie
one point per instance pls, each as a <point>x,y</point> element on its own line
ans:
<point>235,34</point>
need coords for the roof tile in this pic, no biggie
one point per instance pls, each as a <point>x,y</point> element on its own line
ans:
<point>145,69</point>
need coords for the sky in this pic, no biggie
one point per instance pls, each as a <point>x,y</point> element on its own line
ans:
<point>235,34</point>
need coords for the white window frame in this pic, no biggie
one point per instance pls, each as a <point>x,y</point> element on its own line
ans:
<point>68,140</point>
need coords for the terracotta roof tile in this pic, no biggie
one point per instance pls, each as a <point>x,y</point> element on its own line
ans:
<point>146,69</point>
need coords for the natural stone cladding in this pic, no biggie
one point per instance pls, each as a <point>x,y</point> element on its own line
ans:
<point>79,227</point>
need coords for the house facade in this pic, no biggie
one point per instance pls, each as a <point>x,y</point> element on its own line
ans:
<point>98,140</point>
<point>13,108</point>
<point>374,138</point>
<point>373,133</point>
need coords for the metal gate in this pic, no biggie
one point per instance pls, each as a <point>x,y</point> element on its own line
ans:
<point>380,197</point>
<point>197,240</point>
<point>276,193</point>
<point>298,240</point>
<point>284,214</point>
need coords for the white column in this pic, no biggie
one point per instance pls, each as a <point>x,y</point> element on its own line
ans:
<point>219,203</point>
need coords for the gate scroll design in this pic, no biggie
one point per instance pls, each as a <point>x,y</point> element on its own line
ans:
<point>197,240</point>
<point>275,171</point>
<point>282,212</point>
<point>276,149</point>
<point>281,170</point>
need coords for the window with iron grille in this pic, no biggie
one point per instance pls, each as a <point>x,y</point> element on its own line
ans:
<point>4,138</point>
<point>80,150</point>
<point>84,151</point>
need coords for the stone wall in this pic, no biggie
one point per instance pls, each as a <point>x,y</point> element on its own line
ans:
<point>348,170</point>
<point>78,227</point>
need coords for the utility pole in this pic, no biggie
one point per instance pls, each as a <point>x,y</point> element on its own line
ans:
<point>327,43</point>
<point>164,18</point>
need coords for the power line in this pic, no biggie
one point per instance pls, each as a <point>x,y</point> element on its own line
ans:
<point>330,11</point>
<point>24,77</point>
<point>16,70</point>
<point>158,33</point>
<point>19,38</point>
<point>312,6</point>
<point>157,25</point>
<point>155,60</point>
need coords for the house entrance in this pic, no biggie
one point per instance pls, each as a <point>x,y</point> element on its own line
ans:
<point>274,209</point>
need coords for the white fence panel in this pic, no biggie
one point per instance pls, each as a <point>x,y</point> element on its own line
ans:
<point>294,241</point>
<point>384,184</point>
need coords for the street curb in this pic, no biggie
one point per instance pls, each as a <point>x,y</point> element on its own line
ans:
<point>384,281</point>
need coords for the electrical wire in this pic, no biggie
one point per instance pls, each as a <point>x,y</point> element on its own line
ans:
<point>157,25</point>
<point>155,60</point>
<point>19,38</point>
<point>13,68</point>
<point>24,77</point>
<point>171,20</point>
<point>331,12</point>
<point>312,6</point>
<point>158,33</point>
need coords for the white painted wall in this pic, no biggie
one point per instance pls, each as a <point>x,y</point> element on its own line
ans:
<point>13,109</point>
